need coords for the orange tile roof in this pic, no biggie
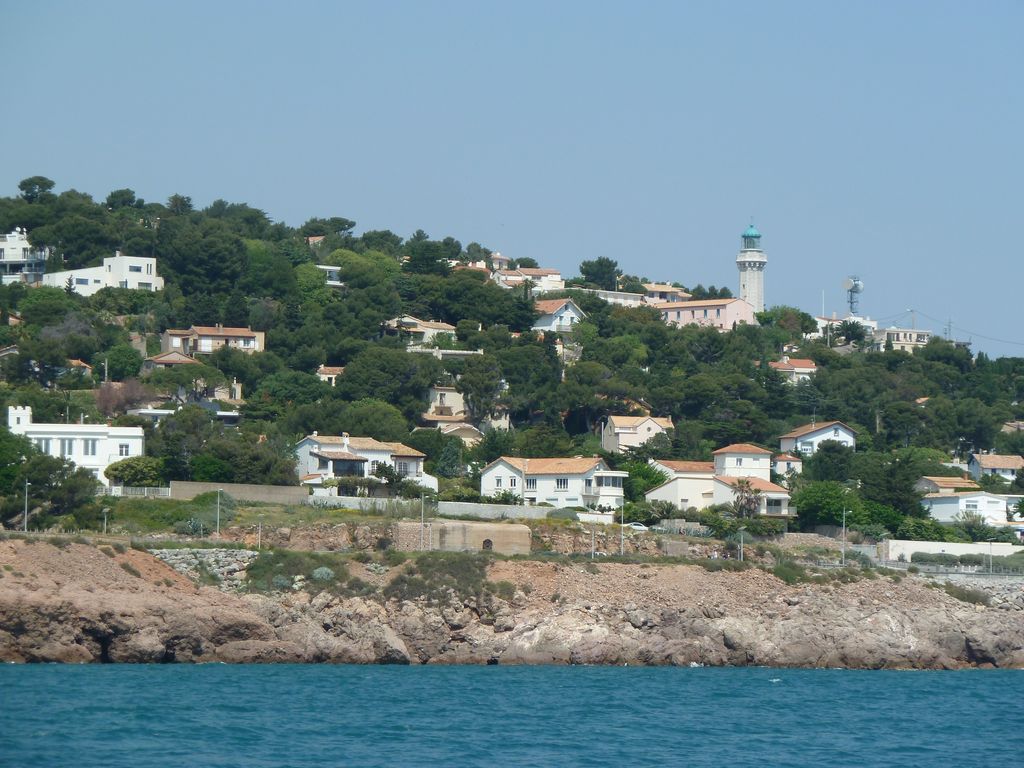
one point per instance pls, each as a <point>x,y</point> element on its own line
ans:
<point>741,448</point>
<point>688,466</point>
<point>633,421</point>
<point>331,370</point>
<point>807,429</point>
<point>786,457</point>
<point>557,466</point>
<point>367,444</point>
<point>997,461</point>
<point>950,482</point>
<point>207,330</point>
<point>755,482</point>
<point>172,358</point>
<point>550,306</point>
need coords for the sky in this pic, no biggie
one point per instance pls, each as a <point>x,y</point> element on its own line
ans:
<point>876,139</point>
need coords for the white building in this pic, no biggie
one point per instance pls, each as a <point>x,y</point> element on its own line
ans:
<point>322,457</point>
<point>664,293</point>
<point>417,331</point>
<point>542,279</point>
<point>948,507</point>
<point>751,263</point>
<point>901,339</point>
<point>557,315</point>
<point>700,484</point>
<point>19,261</point>
<point>575,482</point>
<point>806,439</point>
<point>784,463</point>
<point>622,432</point>
<point>1005,467</point>
<point>118,271</point>
<point>207,339</point>
<point>944,486</point>
<point>795,369</point>
<point>92,446</point>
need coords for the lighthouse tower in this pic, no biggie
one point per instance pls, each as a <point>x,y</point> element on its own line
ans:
<point>751,263</point>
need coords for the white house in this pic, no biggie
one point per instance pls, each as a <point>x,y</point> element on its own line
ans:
<point>329,373</point>
<point>700,484</point>
<point>544,280</point>
<point>19,261</point>
<point>1005,467</point>
<point>557,315</point>
<point>321,457</point>
<point>92,446</point>
<point>207,339</point>
<point>622,432</point>
<point>723,314</point>
<point>663,293</point>
<point>575,482</point>
<point>784,463</point>
<point>946,507</point>
<point>795,369</point>
<point>415,330</point>
<point>117,271</point>
<point>901,339</point>
<point>944,486</point>
<point>806,439</point>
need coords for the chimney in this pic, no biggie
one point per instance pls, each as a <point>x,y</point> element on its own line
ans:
<point>344,440</point>
<point>315,433</point>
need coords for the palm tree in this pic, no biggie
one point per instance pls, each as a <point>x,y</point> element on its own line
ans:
<point>746,499</point>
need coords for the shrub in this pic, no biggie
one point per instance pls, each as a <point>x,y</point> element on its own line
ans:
<point>393,557</point>
<point>106,551</point>
<point>791,573</point>
<point>362,557</point>
<point>563,514</point>
<point>591,568</point>
<point>323,573</point>
<point>119,547</point>
<point>129,568</point>
<point>506,590</point>
<point>972,559</point>
<point>913,569</point>
<point>934,558</point>
<point>280,581</point>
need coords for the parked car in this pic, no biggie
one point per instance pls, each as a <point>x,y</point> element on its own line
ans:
<point>637,526</point>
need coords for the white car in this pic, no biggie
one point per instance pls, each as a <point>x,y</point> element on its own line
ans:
<point>637,526</point>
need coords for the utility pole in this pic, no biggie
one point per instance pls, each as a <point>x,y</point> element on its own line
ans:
<point>423,520</point>
<point>27,484</point>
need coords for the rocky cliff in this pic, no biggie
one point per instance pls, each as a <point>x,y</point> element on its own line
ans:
<point>80,603</point>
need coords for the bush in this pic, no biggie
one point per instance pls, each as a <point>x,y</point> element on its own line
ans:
<point>791,573</point>
<point>362,557</point>
<point>972,559</point>
<point>129,568</point>
<point>323,573</point>
<point>934,558</point>
<point>563,514</point>
<point>966,594</point>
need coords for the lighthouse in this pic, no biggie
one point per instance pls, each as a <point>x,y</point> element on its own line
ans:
<point>751,262</point>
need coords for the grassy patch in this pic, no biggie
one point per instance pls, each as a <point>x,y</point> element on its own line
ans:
<point>790,572</point>
<point>966,594</point>
<point>129,568</point>
<point>276,570</point>
<point>435,575</point>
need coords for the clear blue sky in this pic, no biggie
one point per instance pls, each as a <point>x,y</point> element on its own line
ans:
<point>876,138</point>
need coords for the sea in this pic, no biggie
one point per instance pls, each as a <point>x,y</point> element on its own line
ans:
<point>224,716</point>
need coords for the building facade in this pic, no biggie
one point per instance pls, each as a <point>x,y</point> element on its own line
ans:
<point>622,432</point>
<point>92,446</point>
<point>806,439</point>
<point>118,271</point>
<point>207,339</point>
<point>322,457</point>
<point>19,261</point>
<point>723,314</point>
<point>575,482</point>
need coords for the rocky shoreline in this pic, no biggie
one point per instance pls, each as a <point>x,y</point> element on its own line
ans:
<point>78,603</point>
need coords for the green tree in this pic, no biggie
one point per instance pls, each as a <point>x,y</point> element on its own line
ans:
<point>35,188</point>
<point>822,503</point>
<point>746,501</point>
<point>450,463</point>
<point>123,361</point>
<point>138,471</point>
<point>601,272</point>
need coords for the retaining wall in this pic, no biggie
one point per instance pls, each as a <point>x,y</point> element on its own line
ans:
<point>272,494</point>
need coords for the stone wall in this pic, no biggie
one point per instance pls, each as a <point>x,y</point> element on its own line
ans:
<point>492,511</point>
<point>227,565</point>
<point>463,536</point>
<point>272,494</point>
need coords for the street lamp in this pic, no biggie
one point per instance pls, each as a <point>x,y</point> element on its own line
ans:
<point>742,529</point>
<point>27,484</point>
<point>990,555</point>
<point>218,512</point>
<point>622,530</point>
<point>844,538</point>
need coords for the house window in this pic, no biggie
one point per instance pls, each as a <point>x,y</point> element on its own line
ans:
<point>972,506</point>
<point>403,468</point>
<point>149,269</point>
<point>835,432</point>
<point>122,284</point>
<point>89,447</point>
<point>81,281</point>
<point>511,482</point>
<point>135,268</point>
<point>588,483</point>
<point>67,446</point>
<point>124,450</point>
<point>774,505</point>
<point>561,483</point>
<point>497,482</point>
<point>146,286</point>
<point>739,461</point>
<point>322,463</point>
<point>43,444</point>
<point>531,483</point>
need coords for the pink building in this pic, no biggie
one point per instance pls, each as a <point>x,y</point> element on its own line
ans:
<point>723,314</point>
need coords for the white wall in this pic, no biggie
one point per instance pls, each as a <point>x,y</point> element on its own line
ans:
<point>688,491</point>
<point>118,271</point>
<point>891,549</point>
<point>945,509</point>
<point>744,465</point>
<point>808,444</point>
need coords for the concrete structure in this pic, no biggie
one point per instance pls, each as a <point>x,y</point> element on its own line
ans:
<point>92,446</point>
<point>117,271</point>
<point>575,482</point>
<point>1005,467</point>
<point>463,536</point>
<point>619,298</point>
<point>795,369</point>
<point>332,275</point>
<point>723,314</point>
<point>167,360</point>
<point>948,507</point>
<point>806,439</point>
<point>897,549</point>
<point>323,457</point>
<point>557,315</point>
<point>622,432</point>
<point>944,485</point>
<point>207,339</point>
<point>19,261</point>
<point>751,263</point>
<point>416,331</point>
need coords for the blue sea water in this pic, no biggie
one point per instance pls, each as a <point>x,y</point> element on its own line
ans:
<point>282,715</point>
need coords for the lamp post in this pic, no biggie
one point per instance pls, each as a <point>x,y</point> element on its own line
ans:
<point>990,570</point>
<point>218,512</point>
<point>742,529</point>
<point>27,484</point>
<point>423,519</point>
<point>844,538</point>
<point>622,530</point>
